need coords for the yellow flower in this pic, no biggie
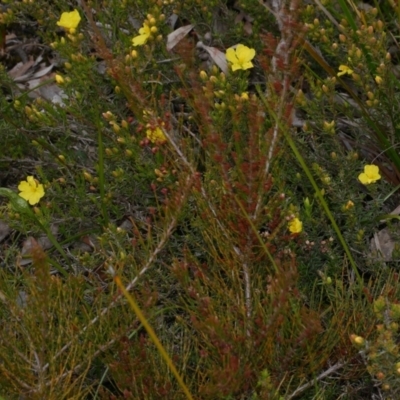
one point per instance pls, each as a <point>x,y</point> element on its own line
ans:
<point>156,135</point>
<point>295,225</point>
<point>144,34</point>
<point>241,57</point>
<point>344,69</point>
<point>370,175</point>
<point>378,80</point>
<point>69,20</point>
<point>31,190</point>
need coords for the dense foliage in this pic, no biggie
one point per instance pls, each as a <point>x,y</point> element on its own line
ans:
<point>198,199</point>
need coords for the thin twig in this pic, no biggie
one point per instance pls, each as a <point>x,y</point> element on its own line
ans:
<point>246,273</point>
<point>307,385</point>
<point>163,240</point>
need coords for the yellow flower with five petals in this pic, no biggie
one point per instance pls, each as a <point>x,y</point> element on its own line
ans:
<point>240,58</point>
<point>31,190</point>
<point>370,175</point>
<point>69,20</point>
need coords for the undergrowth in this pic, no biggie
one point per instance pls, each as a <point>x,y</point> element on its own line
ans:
<point>223,199</point>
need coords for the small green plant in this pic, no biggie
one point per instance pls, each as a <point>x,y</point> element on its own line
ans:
<point>381,352</point>
<point>225,166</point>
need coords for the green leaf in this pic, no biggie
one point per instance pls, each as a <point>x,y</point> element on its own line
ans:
<point>17,202</point>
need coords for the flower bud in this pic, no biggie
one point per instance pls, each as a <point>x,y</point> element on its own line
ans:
<point>203,75</point>
<point>59,79</point>
<point>349,205</point>
<point>244,96</point>
<point>380,375</point>
<point>108,115</point>
<point>116,128</point>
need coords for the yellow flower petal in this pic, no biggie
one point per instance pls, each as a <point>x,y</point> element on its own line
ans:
<point>344,69</point>
<point>236,66</point>
<point>247,65</point>
<point>145,30</point>
<point>372,171</point>
<point>231,55</point>
<point>69,20</point>
<point>244,53</point>
<point>144,34</point>
<point>24,186</point>
<point>139,40</point>
<point>363,178</point>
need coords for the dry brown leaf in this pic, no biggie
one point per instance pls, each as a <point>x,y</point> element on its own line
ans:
<point>246,19</point>
<point>32,75</point>
<point>216,55</point>
<point>43,243</point>
<point>248,27</point>
<point>30,69</point>
<point>382,245</point>
<point>87,243</point>
<point>177,35</point>
<point>29,244</point>
<point>172,20</point>
<point>50,92</point>
<point>20,69</point>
